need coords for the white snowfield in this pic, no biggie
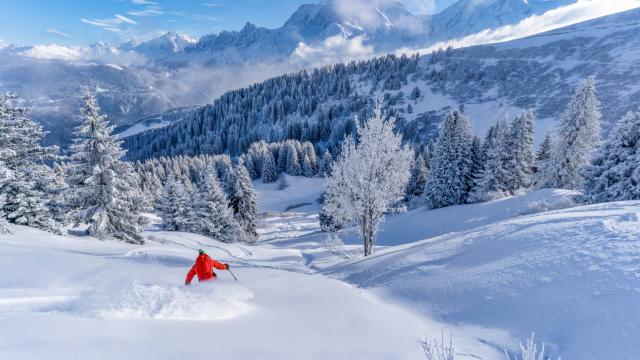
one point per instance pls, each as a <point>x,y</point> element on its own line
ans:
<point>485,273</point>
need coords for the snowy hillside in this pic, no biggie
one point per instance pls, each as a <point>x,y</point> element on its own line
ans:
<point>569,275</point>
<point>491,279</point>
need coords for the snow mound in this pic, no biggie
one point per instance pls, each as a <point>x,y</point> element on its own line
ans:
<point>205,301</point>
<point>570,275</point>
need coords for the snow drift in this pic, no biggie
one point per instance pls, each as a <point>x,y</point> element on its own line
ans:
<point>569,275</point>
<point>205,301</point>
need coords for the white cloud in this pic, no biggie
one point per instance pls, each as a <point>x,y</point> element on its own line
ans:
<point>143,2</point>
<point>332,50</point>
<point>116,20</point>
<point>214,4</point>
<point>58,32</point>
<point>52,52</point>
<point>580,11</point>
<point>152,10</point>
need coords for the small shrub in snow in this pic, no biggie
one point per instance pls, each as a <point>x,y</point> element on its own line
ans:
<point>529,351</point>
<point>434,350</point>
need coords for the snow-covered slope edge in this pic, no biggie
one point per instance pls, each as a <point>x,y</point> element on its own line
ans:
<point>569,275</point>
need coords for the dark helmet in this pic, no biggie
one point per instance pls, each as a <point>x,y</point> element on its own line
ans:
<point>201,252</point>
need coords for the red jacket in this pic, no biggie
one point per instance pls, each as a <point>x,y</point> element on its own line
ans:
<point>204,269</point>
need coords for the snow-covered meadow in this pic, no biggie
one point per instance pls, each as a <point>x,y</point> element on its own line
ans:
<point>489,276</point>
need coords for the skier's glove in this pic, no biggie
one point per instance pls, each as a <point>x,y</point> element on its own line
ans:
<point>226,266</point>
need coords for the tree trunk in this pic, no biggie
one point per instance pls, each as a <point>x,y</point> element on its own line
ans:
<point>367,236</point>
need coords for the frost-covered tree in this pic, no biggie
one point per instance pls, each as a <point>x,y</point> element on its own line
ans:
<point>103,187</point>
<point>269,169</point>
<point>578,134</point>
<point>450,177</point>
<point>175,208</point>
<point>211,215</point>
<point>307,167</point>
<point>521,159</point>
<point>244,204</point>
<point>496,175</point>
<point>369,176</point>
<point>23,156</point>
<point>325,163</point>
<point>5,175</point>
<point>418,179</point>
<point>614,171</point>
<point>542,156</point>
<point>293,161</point>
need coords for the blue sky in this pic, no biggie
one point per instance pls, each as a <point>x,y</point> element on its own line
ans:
<point>70,22</point>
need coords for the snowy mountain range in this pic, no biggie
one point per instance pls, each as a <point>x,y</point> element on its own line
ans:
<point>490,82</point>
<point>138,80</point>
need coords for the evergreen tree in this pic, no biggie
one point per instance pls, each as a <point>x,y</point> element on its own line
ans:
<point>269,169</point>
<point>418,178</point>
<point>614,172</point>
<point>450,177</point>
<point>5,176</point>
<point>325,163</point>
<point>293,162</point>
<point>522,159</point>
<point>477,160</point>
<point>244,204</point>
<point>495,177</point>
<point>542,156</point>
<point>307,167</point>
<point>23,156</point>
<point>175,208</point>
<point>104,188</point>
<point>540,164</point>
<point>578,134</point>
<point>211,213</point>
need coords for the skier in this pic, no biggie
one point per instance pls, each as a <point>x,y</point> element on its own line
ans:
<point>204,268</point>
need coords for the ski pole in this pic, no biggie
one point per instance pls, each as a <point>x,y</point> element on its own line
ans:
<point>229,270</point>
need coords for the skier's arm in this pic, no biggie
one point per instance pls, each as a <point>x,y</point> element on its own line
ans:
<point>190,275</point>
<point>218,265</point>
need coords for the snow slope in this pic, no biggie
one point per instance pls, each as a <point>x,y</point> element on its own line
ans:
<point>569,275</point>
<point>76,297</point>
<point>487,273</point>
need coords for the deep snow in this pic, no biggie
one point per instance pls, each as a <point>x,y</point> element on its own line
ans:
<point>488,273</point>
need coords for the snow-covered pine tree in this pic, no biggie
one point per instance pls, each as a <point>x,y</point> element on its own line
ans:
<point>174,207</point>
<point>244,204</point>
<point>211,213</point>
<point>418,179</point>
<point>369,176</point>
<point>325,163</point>
<point>307,167</point>
<point>269,170</point>
<point>494,180</point>
<point>522,159</point>
<point>5,175</point>
<point>450,177</point>
<point>104,188</point>
<point>578,134</point>
<point>542,156</point>
<point>293,161</point>
<point>21,152</point>
<point>614,171</point>
<point>477,160</point>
